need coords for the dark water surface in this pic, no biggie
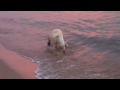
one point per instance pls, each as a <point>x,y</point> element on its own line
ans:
<point>93,38</point>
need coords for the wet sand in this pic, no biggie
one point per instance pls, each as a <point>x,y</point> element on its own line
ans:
<point>13,66</point>
<point>7,73</point>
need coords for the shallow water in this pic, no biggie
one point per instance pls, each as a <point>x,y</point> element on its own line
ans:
<point>92,36</point>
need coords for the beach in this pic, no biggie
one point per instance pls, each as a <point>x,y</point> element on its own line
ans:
<point>93,50</point>
<point>7,72</point>
<point>13,66</point>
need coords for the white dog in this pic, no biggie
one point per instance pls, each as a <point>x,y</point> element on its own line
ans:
<point>55,39</point>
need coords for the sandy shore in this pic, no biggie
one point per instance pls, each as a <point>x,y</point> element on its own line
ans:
<point>13,66</point>
<point>7,73</point>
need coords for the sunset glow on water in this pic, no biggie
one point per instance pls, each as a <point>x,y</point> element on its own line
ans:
<point>93,38</point>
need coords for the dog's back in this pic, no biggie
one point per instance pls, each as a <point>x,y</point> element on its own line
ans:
<point>56,32</point>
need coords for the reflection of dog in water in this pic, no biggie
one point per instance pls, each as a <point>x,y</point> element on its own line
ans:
<point>56,40</point>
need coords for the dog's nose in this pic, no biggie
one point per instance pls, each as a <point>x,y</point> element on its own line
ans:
<point>48,43</point>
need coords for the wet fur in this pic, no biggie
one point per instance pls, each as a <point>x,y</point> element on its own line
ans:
<point>56,40</point>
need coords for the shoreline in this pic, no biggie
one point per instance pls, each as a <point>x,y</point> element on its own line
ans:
<point>13,66</point>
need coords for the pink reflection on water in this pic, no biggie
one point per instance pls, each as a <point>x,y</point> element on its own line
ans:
<point>32,40</point>
<point>53,15</point>
<point>87,34</point>
<point>79,32</point>
<point>99,56</point>
<point>109,34</point>
<point>102,33</point>
<point>83,51</point>
<point>93,34</point>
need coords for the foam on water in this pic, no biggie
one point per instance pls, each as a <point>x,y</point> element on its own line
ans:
<point>86,74</point>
